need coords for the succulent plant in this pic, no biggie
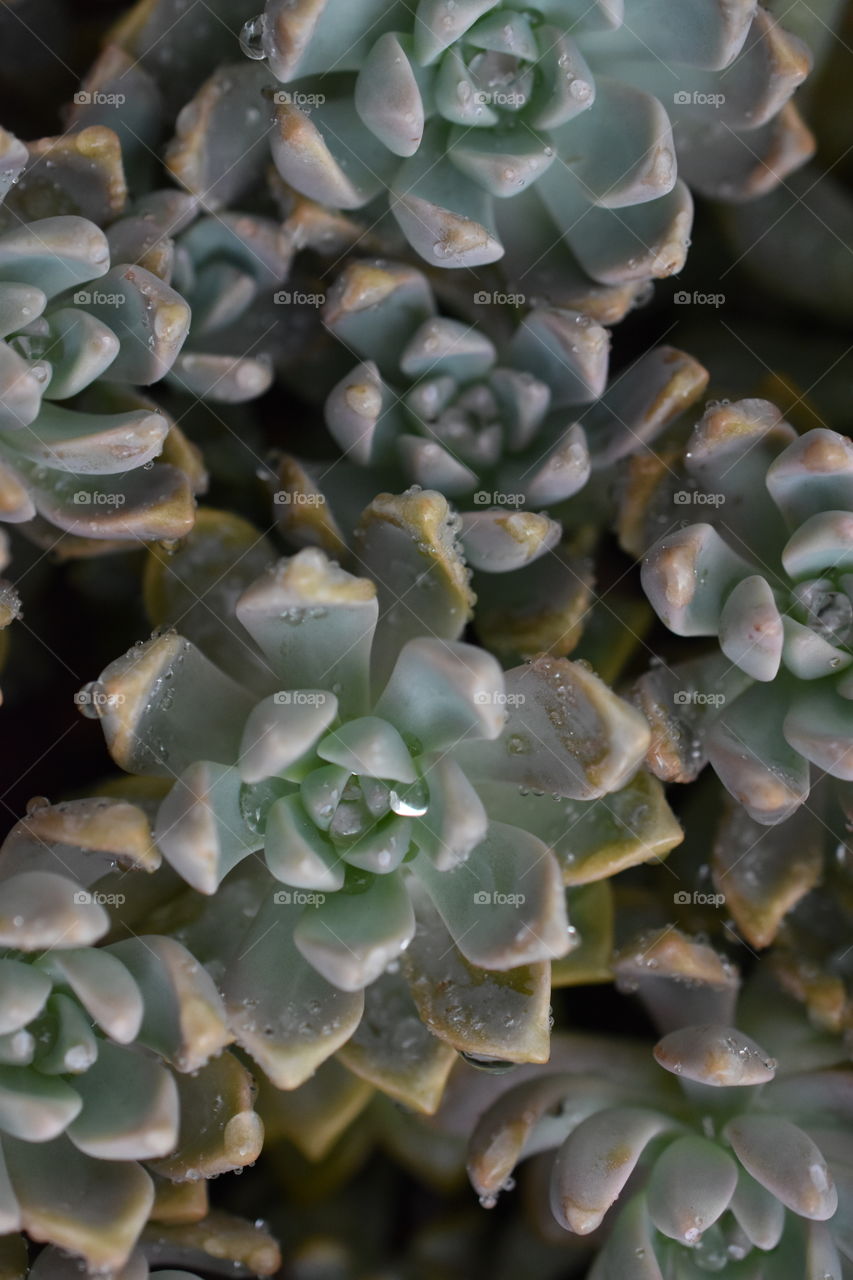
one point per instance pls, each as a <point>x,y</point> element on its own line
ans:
<point>182,1233</point>
<point>501,431</point>
<point>765,574</point>
<point>77,441</point>
<point>480,121</point>
<point>228,267</point>
<point>109,1051</point>
<point>392,793</point>
<point>710,1157</point>
<point>375,876</point>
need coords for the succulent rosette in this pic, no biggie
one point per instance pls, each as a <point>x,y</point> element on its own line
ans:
<point>479,120</point>
<point>502,430</point>
<point>766,573</point>
<point>229,268</point>
<point>374,792</point>
<point>112,1069</point>
<point>80,333</point>
<point>341,780</point>
<point>710,1156</point>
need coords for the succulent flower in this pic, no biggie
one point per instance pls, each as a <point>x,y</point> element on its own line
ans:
<point>766,574</point>
<point>79,335</point>
<point>716,1159</point>
<point>452,110</point>
<point>500,431</point>
<point>109,1052</point>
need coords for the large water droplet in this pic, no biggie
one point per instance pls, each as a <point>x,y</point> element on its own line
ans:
<point>252,38</point>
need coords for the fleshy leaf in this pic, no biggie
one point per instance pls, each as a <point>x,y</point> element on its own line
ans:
<point>786,1161</point>
<point>292,1027</point>
<point>566,732</point>
<point>96,1208</point>
<point>219,1131</point>
<point>504,906</point>
<point>596,1160</point>
<point>130,1107</point>
<point>406,543</point>
<point>351,939</point>
<point>501,1015</point>
<point>393,1050</point>
<point>184,1019</point>
<point>714,1055</point>
<point>592,839</point>
<point>314,622</point>
<point>690,1187</point>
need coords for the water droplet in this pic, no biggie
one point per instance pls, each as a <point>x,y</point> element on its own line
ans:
<point>252,38</point>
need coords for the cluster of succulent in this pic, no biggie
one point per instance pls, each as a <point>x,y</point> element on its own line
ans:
<point>767,575</point>
<point>500,679</point>
<point>114,1073</point>
<point>739,1165</point>
<point>452,111</point>
<point>82,330</point>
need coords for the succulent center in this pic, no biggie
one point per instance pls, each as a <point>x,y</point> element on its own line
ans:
<point>358,786</point>
<point>501,80</point>
<point>828,611</point>
<point>465,420</point>
<point>365,801</point>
